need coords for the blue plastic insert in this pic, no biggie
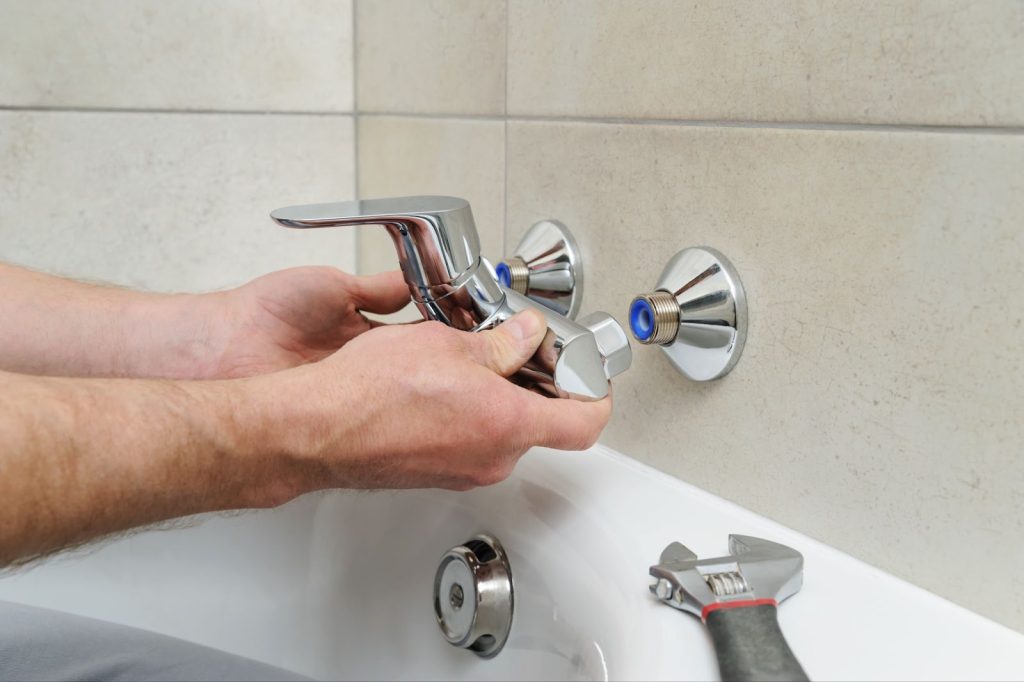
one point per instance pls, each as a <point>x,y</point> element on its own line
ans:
<point>504,274</point>
<point>641,319</point>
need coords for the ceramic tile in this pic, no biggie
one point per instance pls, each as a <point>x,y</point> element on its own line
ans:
<point>281,55</point>
<point>438,56</point>
<point>877,405</point>
<point>406,156</point>
<point>172,202</point>
<point>940,62</point>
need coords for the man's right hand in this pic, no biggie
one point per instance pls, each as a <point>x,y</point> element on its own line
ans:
<point>417,406</point>
<point>404,406</point>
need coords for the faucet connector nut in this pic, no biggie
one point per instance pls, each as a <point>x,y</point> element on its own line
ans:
<point>654,318</point>
<point>513,273</point>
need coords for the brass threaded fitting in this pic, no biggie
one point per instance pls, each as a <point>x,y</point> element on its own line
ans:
<point>656,320</point>
<point>519,274</point>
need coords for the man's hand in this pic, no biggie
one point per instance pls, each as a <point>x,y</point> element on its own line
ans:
<point>397,407</point>
<point>294,317</point>
<point>59,327</point>
<point>421,406</point>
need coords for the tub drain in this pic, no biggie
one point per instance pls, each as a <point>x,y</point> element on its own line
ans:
<point>473,596</point>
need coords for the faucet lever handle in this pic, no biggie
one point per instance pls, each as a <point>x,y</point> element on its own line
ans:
<point>398,210</point>
<point>435,235</point>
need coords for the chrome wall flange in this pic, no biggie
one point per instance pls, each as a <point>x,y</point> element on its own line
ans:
<point>546,267</point>
<point>697,314</point>
<point>473,596</point>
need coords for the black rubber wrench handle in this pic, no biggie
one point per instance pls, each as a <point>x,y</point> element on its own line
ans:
<point>749,643</point>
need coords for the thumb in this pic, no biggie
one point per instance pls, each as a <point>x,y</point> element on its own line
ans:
<point>508,346</point>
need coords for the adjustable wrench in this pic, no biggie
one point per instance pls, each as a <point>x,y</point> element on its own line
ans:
<point>736,596</point>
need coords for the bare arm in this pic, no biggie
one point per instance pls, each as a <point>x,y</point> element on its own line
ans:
<point>59,327</point>
<point>397,407</point>
<point>80,458</point>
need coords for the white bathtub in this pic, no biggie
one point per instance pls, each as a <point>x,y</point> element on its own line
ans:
<point>339,585</point>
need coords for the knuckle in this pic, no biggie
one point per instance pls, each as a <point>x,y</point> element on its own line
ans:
<point>341,276</point>
<point>576,435</point>
<point>575,440</point>
<point>446,338</point>
<point>587,437</point>
<point>429,335</point>
<point>480,478</point>
<point>432,329</point>
<point>490,475</point>
<point>461,486</point>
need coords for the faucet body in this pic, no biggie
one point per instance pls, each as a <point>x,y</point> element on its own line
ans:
<point>449,281</point>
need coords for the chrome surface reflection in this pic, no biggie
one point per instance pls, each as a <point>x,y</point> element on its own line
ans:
<point>449,281</point>
<point>697,314</point>
<point>546,267</point>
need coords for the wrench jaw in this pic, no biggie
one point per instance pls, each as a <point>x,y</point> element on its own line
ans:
<point>774,571</point>
<point>677,553</point>
<point>756,569</point>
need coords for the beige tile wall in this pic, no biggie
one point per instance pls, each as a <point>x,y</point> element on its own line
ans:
<point>168,202</point>
<point>144,143</point>
<point>877,406</point>
<point>441,56</point>
<point>262,55</point>
<point>877,403</point>
<point>402,156</point>
<point>934,62</point>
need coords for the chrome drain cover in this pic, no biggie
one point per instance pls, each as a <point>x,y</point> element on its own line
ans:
<point>473,597</point>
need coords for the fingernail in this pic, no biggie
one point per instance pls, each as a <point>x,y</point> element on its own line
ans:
<point>524,325</point>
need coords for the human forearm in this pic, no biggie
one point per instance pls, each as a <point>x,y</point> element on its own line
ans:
<point>82,458</point>
<point>404,406</point>
<point>60,327</point>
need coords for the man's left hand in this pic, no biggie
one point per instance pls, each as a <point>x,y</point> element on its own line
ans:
<point>293,317</point>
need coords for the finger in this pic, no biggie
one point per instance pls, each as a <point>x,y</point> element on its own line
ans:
<point>508,346</point>
<point>382,293</point>
<point>566,423</point>
<point>381,323</point>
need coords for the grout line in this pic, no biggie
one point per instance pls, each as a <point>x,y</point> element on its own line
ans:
<point>452,116</point>
<point>782,125</point>
<point>357,240</point>
<point>355,93</point>
<point>702,123</point>
<point>144,110</point>
<point>593,120</point>
<point>504,174</point>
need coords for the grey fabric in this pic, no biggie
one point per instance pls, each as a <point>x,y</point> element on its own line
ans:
<point>39,644</point>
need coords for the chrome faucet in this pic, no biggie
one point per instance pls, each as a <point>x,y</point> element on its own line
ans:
<point>449,281</point>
